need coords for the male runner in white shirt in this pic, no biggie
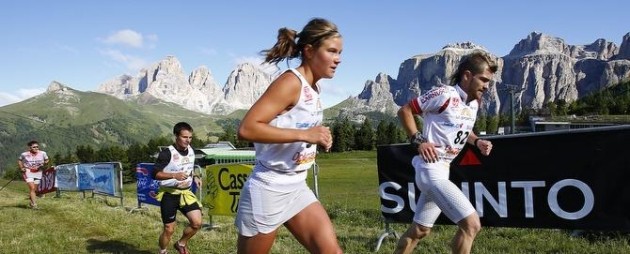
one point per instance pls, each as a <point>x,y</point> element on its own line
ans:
<point>449,114</point>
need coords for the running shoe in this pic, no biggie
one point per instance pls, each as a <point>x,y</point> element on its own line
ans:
<point>181,249</point>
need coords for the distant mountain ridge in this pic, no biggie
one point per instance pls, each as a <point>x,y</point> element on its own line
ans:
<point>199,91</point>
<point>544,67</point>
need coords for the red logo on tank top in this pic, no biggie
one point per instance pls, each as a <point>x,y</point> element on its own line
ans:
<point>308,96</point>
<point>455,101</point>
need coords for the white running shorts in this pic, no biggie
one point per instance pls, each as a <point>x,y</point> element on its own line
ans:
<point>438,194</point>
<point>32,177</point>
<point>263,210</point>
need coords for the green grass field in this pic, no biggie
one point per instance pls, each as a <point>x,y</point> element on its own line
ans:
<point>348,185</point>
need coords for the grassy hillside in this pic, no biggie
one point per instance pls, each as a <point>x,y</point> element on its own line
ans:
<point>348,187</point>
<point>332,112</point>
<point>63,120</point>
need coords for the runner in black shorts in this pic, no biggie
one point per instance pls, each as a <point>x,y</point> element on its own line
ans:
<point>170,205</point>
<point>173,168</point>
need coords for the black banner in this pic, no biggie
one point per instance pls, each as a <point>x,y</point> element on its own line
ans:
<point>572,179</point>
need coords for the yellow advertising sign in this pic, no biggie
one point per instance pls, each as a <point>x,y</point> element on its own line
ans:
<point>223,186</point>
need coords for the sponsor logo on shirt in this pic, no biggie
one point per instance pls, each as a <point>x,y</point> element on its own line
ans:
<point>432,94</point>
<point>466,115</point>
<point>449,124</point>
<point>466,112</point>
<point>185,160</point>
<point>302,158</point>
<point>449,153</point>
<point>305,125</point>
<point>308,96</point>
<point>455,101</point>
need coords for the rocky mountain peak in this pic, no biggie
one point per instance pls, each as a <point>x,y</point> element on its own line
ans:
<point>198,91</point>
<point>382,78</point>
<point>247,67</point>
<point>624,49</point>
<point>376,96</point>
<point>170,64</point>
<point>539,43</point>
<point>202,79</point>
<point>60,89</point>
<point>55,86</point>
<point>463,45</point>
<point>64,95</point>
<point>245,85</point>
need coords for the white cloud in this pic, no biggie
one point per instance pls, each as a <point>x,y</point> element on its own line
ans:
<point>209,51</point>
<point>19,95</point>
<point>127,37</point>
<point>152,41</point>
<point>132,63</point>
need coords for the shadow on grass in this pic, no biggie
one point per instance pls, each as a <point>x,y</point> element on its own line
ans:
<point>111,246</point>
<point>22,206</point>
<point>594,236</point>
<point>368,242</point>
<point>360,218</point>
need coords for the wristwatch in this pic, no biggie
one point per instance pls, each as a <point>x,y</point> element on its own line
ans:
<point>417,139</point>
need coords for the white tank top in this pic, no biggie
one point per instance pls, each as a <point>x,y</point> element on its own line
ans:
<point>447,119</point>
<point>296,157</point>
<point>179,163</point>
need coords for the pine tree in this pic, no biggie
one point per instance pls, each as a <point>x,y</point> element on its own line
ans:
<point>364,138</point>
<point>382,137</point>
<point>481,124</point>
<point>86,154</point>
<point>343,135</point>
<point>395,134</point>
<point>493,124</point>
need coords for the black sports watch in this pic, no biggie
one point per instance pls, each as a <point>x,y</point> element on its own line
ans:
<point>417,139</point>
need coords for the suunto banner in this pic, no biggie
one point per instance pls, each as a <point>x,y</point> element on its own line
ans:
<point>570,179</point>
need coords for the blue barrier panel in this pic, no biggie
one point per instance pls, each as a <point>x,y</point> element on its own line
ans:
<point>146,186</point>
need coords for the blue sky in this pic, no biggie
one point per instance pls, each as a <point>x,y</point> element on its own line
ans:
<point>84,43</point>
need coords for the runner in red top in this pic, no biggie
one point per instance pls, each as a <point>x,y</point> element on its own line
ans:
<point>30,163</point>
